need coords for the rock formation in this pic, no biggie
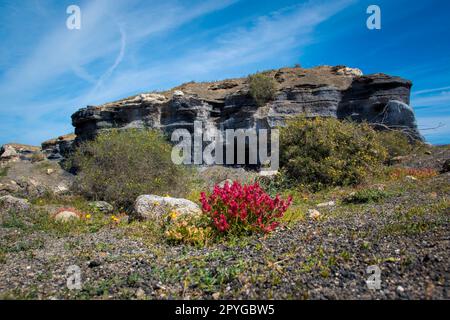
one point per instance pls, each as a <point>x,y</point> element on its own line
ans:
<point>339,91</point>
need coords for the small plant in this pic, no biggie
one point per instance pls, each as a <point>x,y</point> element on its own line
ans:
<point>366,196</point>
<point>194,230</point>
<point>262,88</point>
<point>240,208</point>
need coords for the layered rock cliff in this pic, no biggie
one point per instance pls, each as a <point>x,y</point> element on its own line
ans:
<point>339,92</point>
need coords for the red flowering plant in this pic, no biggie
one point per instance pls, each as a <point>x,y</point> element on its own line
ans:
<point>243,207</point>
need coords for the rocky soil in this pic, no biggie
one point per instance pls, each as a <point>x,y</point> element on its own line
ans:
<point>406,234</point>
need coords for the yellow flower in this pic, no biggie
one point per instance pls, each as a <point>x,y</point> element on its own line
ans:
<point>88,216</point>
<point>173,215</point>
<point>115,219</point>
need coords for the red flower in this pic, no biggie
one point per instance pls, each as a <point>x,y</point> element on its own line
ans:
<point>246,205</point>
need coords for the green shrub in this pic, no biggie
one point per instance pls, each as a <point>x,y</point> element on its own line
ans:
<point>120,165</point>
<point>323,152</point>
<point>366,196</point>
<point>395,142</point>
<point>262,88</point>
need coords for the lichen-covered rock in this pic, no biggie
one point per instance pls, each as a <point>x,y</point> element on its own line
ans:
<point>10,203</point>
<point>101,206</point>
<point>155,207</point>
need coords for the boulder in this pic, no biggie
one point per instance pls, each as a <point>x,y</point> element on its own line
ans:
<point>101,206</point>
<point>66,215</point>
<point>30,187</point>
<point>10,203</point>
<point>9,187</point>
<point>314,214</point>
<point>8,152</point>
<point>155,207</point>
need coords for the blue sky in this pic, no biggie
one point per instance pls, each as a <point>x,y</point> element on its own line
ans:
<point>126,47</point>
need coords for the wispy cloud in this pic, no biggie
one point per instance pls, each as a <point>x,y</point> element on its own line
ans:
<point>267,37</point>
<point>110,56</point>
<point>432,109</point>
<point>104,24</point>
<point>438,97</point>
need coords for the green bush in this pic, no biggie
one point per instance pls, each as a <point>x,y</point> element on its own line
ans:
<point>262,88</point>
<point>395,142</point>
<point>323,152</point>
<point>120,165</point>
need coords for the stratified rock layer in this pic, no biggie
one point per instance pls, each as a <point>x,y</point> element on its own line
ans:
<point>339,92</point>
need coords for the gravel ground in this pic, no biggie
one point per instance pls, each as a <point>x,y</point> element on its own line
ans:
<point>406,235</point>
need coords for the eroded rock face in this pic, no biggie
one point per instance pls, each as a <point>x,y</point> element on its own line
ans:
<point>59,148</point>
<point>339,92</point>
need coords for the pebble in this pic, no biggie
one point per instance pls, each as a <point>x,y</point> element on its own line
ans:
<point>326,204</point>
<point>314,214</point>
<point>400,290</point>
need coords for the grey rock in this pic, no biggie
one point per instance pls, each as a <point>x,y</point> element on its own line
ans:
<point>155,207</point>
<point>9,202</point>
<point>66,216</point>
<point>15,152</point>
<point>101,206</point>
<point>59,148</point>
